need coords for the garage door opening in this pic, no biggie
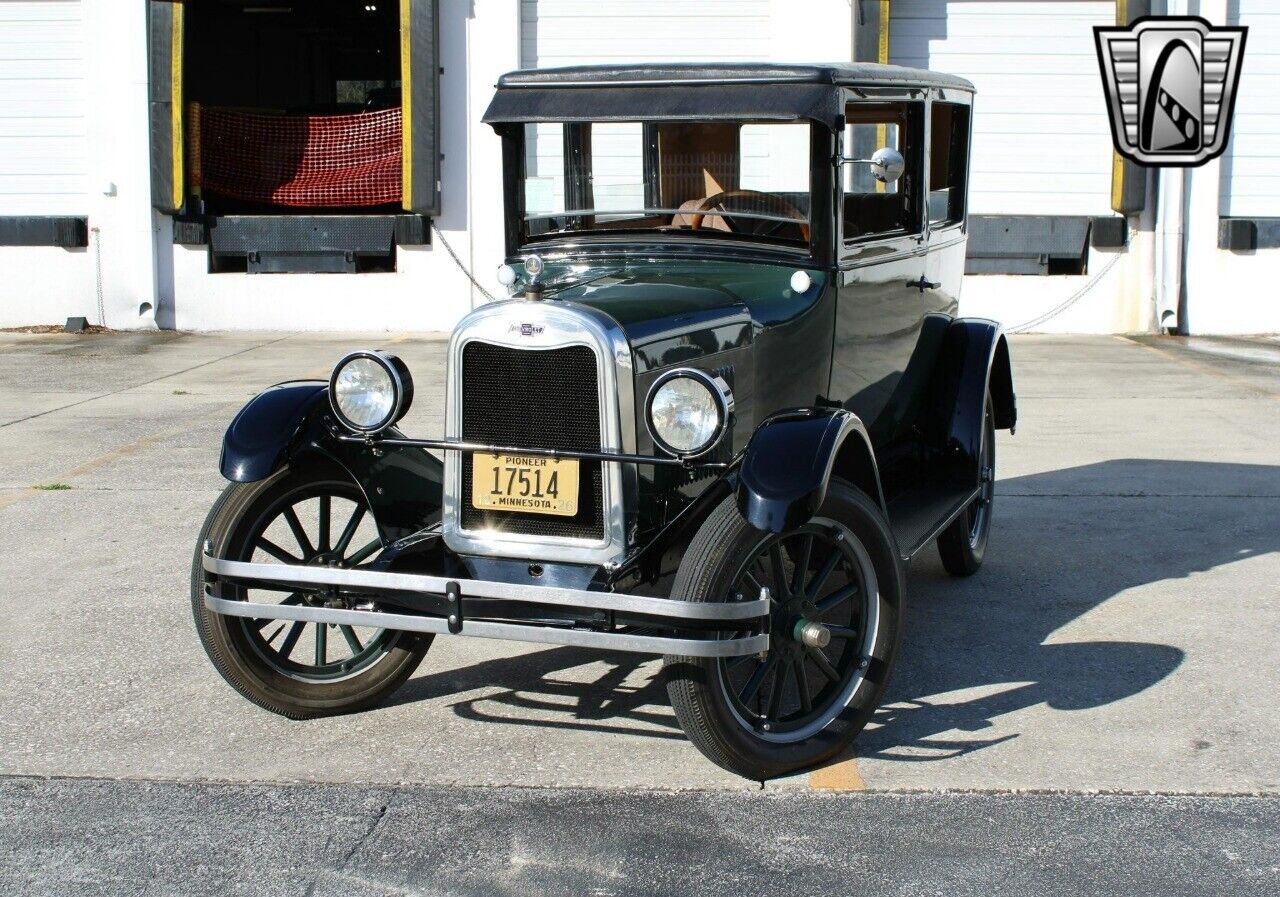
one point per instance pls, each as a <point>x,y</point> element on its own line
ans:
<point>294,107</point>
<point>298,132</point>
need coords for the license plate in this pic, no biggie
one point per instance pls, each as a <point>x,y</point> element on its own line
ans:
<point>525,484</point>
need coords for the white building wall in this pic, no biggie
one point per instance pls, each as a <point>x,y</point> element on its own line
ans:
<point>43,146</point>
<point>1040,134</point>
<point>124,230</point>
<point>1041,146</point>
<point>104,165</point>
<point>1250,176</point>
<point>74,140</point>
<point>43,155</point>
<point>1230,292</point>
<point>584,32</point>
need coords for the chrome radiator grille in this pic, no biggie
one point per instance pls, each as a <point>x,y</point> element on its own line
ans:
<point>536,398</point>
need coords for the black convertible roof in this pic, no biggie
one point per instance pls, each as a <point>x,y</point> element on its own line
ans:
<point>688,91</point>
<point>851,74</point>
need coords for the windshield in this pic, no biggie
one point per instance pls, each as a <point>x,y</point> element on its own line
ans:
<point>717,180</point>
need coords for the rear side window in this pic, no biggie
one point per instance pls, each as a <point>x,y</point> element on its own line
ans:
<point>948,150</point>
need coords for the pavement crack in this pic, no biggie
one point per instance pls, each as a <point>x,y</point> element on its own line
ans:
<point>362,839</point>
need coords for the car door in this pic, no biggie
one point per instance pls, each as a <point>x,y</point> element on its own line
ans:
<point>880,304</point>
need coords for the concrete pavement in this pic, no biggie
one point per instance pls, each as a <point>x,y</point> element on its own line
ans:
<point>1121,636</point>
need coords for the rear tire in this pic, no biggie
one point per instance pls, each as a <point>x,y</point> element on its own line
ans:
<point>798,705</point>
<point>963,544</point>
<point>259,658</point>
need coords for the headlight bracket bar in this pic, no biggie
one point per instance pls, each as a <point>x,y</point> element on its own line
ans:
<point>376,441</point>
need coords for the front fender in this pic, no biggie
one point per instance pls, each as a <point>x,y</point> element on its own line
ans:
<point>290,424</point>
<point>260,437</point>
<point>789,462</point>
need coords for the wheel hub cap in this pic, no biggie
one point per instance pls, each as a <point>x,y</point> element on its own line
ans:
<point>811,633</point>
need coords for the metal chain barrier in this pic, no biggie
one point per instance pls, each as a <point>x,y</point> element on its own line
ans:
<point>1071,300</point>
<point>461,267</point>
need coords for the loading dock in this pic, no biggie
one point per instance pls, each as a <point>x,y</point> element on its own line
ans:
<point>296,137</point>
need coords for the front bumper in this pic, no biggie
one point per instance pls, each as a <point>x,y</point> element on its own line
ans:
<point>667,614</point>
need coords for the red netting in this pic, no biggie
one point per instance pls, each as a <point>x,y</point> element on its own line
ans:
<point>297,160</point>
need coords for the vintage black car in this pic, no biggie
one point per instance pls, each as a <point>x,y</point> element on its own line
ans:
<point>728,398</point>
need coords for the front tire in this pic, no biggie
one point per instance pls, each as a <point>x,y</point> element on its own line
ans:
<point>298,670</point>
<point>799,704</point>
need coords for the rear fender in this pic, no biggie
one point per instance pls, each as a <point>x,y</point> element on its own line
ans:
<point>974,358</point>
<point>790,460</point>
<point>291,425</point>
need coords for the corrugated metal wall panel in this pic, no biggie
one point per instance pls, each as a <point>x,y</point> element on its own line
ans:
<point>43,149</point>
<point>1251,164</point>
<point>1041,142</point>
<point>582,32</point>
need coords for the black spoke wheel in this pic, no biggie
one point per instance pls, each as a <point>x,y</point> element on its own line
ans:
<point>835,586</point>
<point>300,527</point>
<point>963,544</point>
<point>821,583</point>
<point>310,517</point>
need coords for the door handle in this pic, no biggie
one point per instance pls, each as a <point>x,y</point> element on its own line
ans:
<point>923,284</point>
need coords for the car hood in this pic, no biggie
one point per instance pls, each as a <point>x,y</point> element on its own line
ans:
<point>676,311</point>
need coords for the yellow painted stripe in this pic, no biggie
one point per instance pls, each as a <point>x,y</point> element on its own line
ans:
<point>882,56</point>
<point>406,105</point>
<point>17,495</point>
<point>1117,182</point>
<point>883,53</point>
<point>117,454</point>
<point>1117,161</point>
<point>841,775</point>
<point>175,104</point>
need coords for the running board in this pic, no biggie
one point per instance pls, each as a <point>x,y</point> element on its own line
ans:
<point>458,623</point>
<point>919,515</point>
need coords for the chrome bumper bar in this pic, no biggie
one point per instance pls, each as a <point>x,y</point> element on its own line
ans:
<point>373,581</point>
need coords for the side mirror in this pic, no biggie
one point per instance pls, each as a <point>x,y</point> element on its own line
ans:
<point>887,165</point>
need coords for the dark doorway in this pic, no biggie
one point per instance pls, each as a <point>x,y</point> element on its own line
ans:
<point>304,56</point>
<point>293,108</point>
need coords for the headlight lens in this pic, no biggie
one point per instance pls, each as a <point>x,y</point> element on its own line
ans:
<point>688,412</point>
<point>370,391</point>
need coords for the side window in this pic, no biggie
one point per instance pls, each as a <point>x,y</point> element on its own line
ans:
<point>872,208</point>
<point>949,146</point>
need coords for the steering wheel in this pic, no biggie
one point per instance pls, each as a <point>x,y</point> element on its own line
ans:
<point>760,228</point>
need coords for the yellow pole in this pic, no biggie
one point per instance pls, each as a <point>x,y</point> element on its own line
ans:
<point>882,57</point>
<point>176,106</point>
<point>406,104</point>
<point>1117,161</point>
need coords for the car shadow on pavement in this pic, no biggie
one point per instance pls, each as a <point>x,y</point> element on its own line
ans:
<point>1063,543</point>
<point>533,689</point>
<point>974,650</point>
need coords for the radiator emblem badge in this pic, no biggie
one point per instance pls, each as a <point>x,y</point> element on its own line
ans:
<point>525,329</point>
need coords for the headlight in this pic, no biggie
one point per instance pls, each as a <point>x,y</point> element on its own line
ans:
<point>688,412</point>
<point>370,391</point>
